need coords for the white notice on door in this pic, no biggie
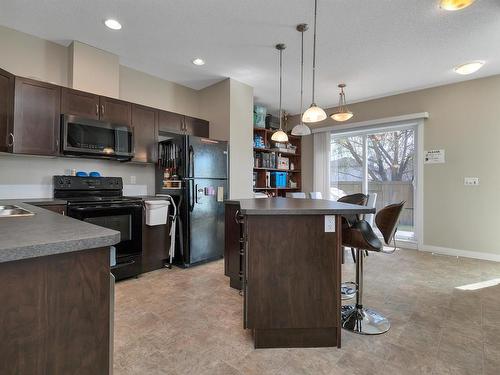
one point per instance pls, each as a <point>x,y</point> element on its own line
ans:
<point>329,223</point>
<point>434,157</point>
<point>220,193</point>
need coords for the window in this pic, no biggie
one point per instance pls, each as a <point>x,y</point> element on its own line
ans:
<point>381,161</point>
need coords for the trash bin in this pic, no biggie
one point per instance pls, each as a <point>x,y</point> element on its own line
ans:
<point>156,212</point>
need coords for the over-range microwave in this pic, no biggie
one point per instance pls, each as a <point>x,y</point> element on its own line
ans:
<point>96,139</point>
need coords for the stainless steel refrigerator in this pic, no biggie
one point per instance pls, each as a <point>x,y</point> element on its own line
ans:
<point>201,165</point>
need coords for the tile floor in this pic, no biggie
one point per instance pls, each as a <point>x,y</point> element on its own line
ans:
<point>189,322</point>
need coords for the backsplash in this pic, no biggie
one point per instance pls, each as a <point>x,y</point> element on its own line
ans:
<point>31,176</point>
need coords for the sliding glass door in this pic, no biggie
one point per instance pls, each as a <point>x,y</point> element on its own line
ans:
<point>378,161</point>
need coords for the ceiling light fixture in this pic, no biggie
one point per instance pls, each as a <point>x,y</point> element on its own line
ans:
<point>280,135</point>
<point>455,4</point>
<point>113,24</point>
<point>469,67</point>
<point>198,61</point>
<point>301,128</point>
<point>342,113</point>
<point>314,113</point>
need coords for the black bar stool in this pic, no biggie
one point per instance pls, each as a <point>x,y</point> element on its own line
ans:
<point>360,235</point>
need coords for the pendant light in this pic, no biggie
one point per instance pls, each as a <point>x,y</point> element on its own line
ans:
<point>314,113</point>
<point>280,135</point>
<point>342,113</point>
<point>301,128</point>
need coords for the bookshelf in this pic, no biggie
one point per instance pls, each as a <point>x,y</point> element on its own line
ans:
<point>265,163</point>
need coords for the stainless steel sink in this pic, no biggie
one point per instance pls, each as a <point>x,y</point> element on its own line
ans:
<point>12,210</point>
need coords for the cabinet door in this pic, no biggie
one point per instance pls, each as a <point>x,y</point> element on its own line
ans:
<point>196,126</point>
<point>144,127</point>
<point>79,103</point>
<point>57,208</point>
<point>37,112</point>
<point>115,111</point>
<point>170,122</point>
<point>6,100</point>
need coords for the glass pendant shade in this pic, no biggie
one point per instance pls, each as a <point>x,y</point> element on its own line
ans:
<point>342,116</point>
<point>301,130</point>
<point>314,114</point>
<point>342,113</point>
<point>279,136</point>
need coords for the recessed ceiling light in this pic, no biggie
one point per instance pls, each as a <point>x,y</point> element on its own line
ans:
<point>113,24</point>
<point>455,4</point>
<point>469,68</point>
<point>198,61</point>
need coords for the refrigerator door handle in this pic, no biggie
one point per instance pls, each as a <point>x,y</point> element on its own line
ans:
<point>191,162</point>
<point>196,193</point>
<point>192,195</point>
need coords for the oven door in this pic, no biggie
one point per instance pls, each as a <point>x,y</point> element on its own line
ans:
<point>125,218</point>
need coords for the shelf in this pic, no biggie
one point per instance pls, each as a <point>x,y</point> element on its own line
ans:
<point>276,169</point>
<point>279,152</point>
<point>271,188</point>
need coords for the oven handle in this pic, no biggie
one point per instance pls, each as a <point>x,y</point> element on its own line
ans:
<point>120,265</point>
<point>93,208</point>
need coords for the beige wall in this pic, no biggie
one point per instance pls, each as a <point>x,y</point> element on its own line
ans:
<point>240,144</point>
<point>93,70</point>
<point>215,107</point>
<point>32,57</point>
<point>142,88</point>
<point>465,121</point>
<point>228,105</point>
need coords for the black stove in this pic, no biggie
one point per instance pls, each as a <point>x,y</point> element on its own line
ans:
<point>100,201</point>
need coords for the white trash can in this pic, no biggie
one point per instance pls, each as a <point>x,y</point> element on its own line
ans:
<point>156,212</point>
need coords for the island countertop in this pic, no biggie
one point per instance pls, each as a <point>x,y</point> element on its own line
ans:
<point>295,206</point>
<point>48,233</point>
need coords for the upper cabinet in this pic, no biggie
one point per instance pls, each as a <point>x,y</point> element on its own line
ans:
<point>144,128</point>
<point>36,125</point>
<point>176,123</point>
<point>196,126</point>
<point>84,104</point>
<point>116,111</point>
<point>170,122</point>
<point>80,103</point>
<point>6,109</point>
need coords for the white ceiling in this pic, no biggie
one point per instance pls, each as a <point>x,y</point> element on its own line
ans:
<point>378,47</point>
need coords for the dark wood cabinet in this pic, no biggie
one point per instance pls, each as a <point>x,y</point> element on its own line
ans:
<point>116,111</point>
<point>196,126</point>
<point>80,103</point>
<point>37,109</point>
<point>57,208</point>
<point>6,108</point>
<point>144,127</point>
<point>155,245</point>
<point>233,261</point>
<point>170,122</point>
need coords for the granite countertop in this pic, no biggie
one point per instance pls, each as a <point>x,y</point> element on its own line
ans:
<point>294,206</point>
<point>48,233</point>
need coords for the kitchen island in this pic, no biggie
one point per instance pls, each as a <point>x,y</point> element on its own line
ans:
<point>291,268</point>
<point>55,294</point>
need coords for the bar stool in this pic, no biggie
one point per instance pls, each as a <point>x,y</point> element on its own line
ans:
<point>361,236</point>
<point>348,289</point>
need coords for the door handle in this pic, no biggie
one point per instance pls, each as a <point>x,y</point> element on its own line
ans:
<point>102,109</point>
<point>11,143</point>
<point>191,196</point>
<point>97,110</point>
<point>196,193</point>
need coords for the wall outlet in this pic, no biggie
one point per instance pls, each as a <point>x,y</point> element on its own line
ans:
<point>471,181</point>
<point>133,180</point>
<point>329,223</point>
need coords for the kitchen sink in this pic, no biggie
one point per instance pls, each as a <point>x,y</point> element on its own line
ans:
<point>12,210</point>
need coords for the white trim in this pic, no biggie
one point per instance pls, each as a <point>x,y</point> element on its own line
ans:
<point>419,198</point>
<point>460,253</point>
<point>370,123</point>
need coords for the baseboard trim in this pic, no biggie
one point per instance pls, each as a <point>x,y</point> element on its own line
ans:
<point>460,253</point>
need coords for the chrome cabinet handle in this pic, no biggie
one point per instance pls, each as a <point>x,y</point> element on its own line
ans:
<point>102,109</point>
<point>97,109</point>
<point>11,143</point>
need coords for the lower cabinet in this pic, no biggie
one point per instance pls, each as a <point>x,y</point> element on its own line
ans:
<point>233,262</point>
<point>58,208</point>
<point>155,245</point>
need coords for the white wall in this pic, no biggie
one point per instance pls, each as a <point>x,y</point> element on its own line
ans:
<point>215,107</point>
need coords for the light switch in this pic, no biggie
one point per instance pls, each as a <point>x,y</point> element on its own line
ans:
<point>471,181</point>
<point>329,223</point>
